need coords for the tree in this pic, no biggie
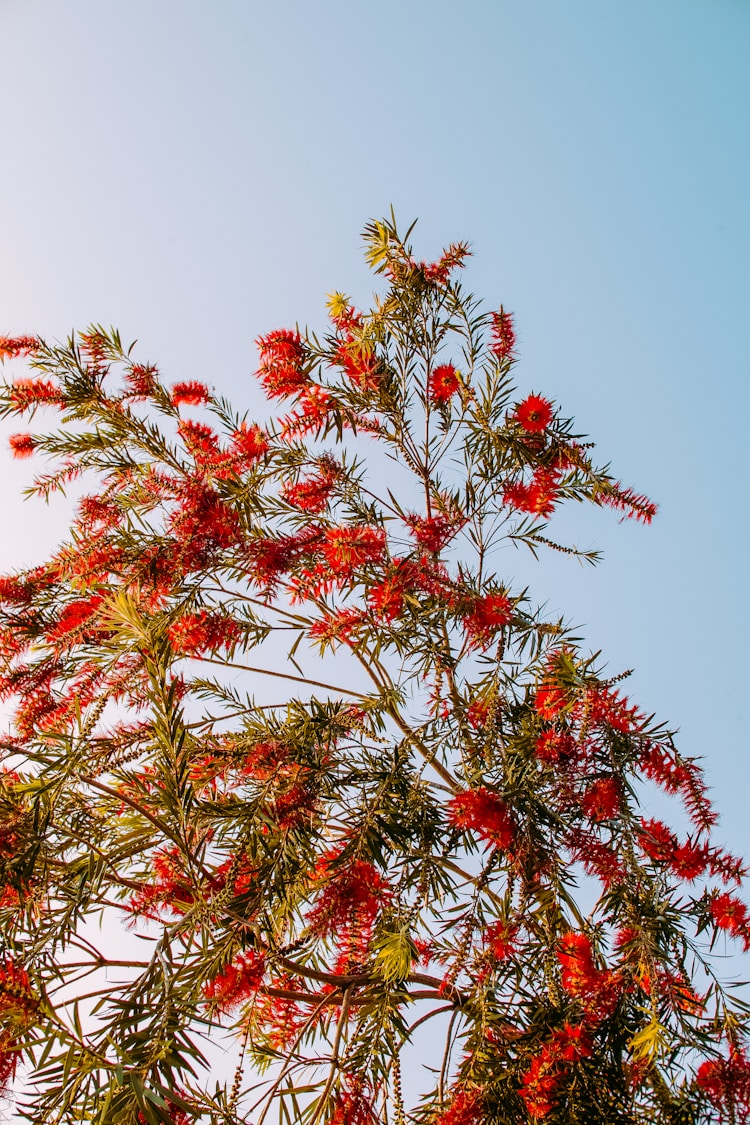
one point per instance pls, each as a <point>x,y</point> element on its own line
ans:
<point>388,825</point>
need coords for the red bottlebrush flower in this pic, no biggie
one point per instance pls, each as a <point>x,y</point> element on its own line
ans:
<point>544,1077</point>
<point>500,937</point>
<point>338,626</point>
<point>282,363</point>
<point>434,532</point>
<point>487,614</point>
<point>169,887</point>
<point>353,1104</point>
<point>604,706</point>
<point>731,914</point>
<point>598,859</point>
<point>200,440</point>
<point>75,617</point>
<point>279,1017</point>
<point>312,495</point>
<point>553,745</point>
<point>270,558</point>
<point>690,860</point>
<point>478,713</point>
<point>196,633</point>
<point>345,548</point>
<point>13,346</point>
<point>680,775</point>
<point>483,812</point>
<point>503,336</point>
<point>316,404</point>
<point>360,363</point>
<point>551,700</point>
<point>94,514</point>
<point>191,393</point>
<point>94,346</point>
<point>15,590</point>
<point>26,393</point>
<point>352,895</point>
<point>140,381</point>
<point>598,990</point>
<point>386,598</point>
<point>201,524</point>
<point>657,840</point>
<point>602,800</point>
<point>443,383</point>
<point>237,982</point>
<point>22,445</point>
<point>726,1083</point>
<point>538,497</point>
<point>249,444</point>
<point>534,414</point>
<point>625,500</point>
<point>540,1085</point>
<point>465,1108</point>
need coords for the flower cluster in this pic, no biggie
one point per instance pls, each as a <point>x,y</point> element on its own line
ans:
<point>549,1069</point>
<point>484,812</point>
<point>597,990</point>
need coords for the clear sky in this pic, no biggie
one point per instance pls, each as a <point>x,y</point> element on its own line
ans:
<point>196,173</point>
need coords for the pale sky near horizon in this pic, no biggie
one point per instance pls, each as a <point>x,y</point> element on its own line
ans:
<point>197,173</point>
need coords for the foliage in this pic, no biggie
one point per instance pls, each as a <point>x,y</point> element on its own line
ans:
<point>275,709</point>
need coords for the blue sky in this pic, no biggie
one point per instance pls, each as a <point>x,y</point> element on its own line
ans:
<point>197,174</point>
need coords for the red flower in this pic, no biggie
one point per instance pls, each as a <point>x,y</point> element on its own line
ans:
<point>282,362</point>
<point>485,813</point>
<point>249,443</point>
<point>487,614</point>
<point>625,500</point>
<point>316,404</point>
<point>190,394</point>
<point>353,894</point>
<point>657,840</point>
<point>353,1104</point>
<point>360,363</point>
<point>553,745</point>
<point>534,414</point>
<point>548,1071</point>
<point>312,494</point>
<point>12,346</point>
<point>465,1109</point>
<point>604,706</point>
<point>730,913</point>
<point>236,982</point>
<point>503,335</point>
<point>727,1084</point>
<point>345,548</point>
<point>196,633</point>
<point>501,938</point>
<point>338,626</point>
<point>551,700</point>
<point>601,801</point>
<point>538,497</point>
<point>434,532</point>
<point>141,381</point>
<point>25,393</point>
<point>443,383</point>
<point>75,617</point>
<point>22,445</point>
<point>598,990</point>
<point>201,441</point>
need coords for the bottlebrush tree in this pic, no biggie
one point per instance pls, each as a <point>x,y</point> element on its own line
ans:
<point>275,710</point>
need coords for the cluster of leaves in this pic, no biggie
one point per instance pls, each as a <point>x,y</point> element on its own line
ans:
<point>399,836</point>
